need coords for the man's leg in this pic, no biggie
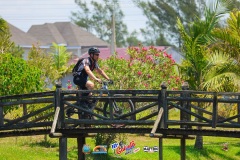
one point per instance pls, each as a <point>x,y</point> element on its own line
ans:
<point>90,86</point>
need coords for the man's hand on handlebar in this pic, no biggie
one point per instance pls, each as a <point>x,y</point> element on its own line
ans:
<point>99,80</point>
<point>110,81</point>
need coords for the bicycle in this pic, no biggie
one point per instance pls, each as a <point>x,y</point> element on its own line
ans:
<point>120,107</point>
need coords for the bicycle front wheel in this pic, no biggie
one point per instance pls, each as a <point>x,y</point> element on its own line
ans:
<point>120,108</point>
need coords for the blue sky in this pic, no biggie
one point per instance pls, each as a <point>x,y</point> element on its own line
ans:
<point>24,13</point>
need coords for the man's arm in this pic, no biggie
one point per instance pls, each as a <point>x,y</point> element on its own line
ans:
<point>101,72</point>
<point>90,74</point>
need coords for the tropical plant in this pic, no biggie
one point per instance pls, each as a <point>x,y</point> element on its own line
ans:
<point>227,38</point>
<point>60,58</point>
<point>201,68</point>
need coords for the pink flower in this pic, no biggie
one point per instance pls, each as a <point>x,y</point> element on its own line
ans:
<point>69,86</point>
<point>165,54</point>
<point>139,73</point>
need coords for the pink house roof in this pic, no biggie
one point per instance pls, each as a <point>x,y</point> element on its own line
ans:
<point>121,53</point>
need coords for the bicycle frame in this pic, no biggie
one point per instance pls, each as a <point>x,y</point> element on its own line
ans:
<point>105,87</point>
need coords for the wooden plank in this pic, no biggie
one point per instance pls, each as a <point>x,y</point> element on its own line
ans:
<point>157,135</point>
<point>148,116</point>
<point>108,122</point>
<point>28,116</point>
<point>86,110</point>
<point>33,101</point>
<point>190,99</point>
<point>111,91</point>
<point>229,118</point>
<point>120,99</point>
<point>31,95</point>
<point>43,117</point>
<point>201,109</point>
<point>55,120</point>
<point>192,113</point>
<point>27,125</point>
<point>138,110</point>
<point>159,116</point>
<point>190,123</point>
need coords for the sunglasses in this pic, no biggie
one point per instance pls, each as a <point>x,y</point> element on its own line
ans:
<point>96,54</point>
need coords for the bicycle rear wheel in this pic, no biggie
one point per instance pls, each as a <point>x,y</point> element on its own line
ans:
<point>123,107</point>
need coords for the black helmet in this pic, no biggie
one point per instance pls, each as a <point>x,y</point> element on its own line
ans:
<point>93,50</point>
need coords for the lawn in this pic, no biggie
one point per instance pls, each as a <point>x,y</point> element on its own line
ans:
<point>29,148</point>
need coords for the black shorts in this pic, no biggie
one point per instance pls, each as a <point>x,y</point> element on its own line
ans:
<point>80,81</point>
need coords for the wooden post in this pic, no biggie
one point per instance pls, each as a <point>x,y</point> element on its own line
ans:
<point>81,140</point>
<point>238,109</point>
<point>162,102</point>
<point>160,141</point>
<point>134,103</point>
<point>1,116</point>
<point>183,148</point>
<point>215,110</point>
<point>184,117</point>
<point>163,122</point>
<point>25,111</point>
<point>62,140</point>
<point>62,148</point>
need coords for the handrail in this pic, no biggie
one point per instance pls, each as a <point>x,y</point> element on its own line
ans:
<point>156,122</point>
<point>53,129</point>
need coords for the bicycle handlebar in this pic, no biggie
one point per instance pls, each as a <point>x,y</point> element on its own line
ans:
<point>107,82</point>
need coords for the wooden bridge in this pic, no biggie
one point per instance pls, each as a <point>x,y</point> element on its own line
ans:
<point>45,113</point>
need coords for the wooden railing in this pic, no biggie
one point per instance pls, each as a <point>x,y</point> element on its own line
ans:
<point>181,109</point>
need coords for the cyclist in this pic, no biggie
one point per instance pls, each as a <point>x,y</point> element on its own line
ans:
<point>85,70</point>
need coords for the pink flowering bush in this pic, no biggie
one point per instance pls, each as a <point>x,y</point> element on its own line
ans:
<point>146,69</point>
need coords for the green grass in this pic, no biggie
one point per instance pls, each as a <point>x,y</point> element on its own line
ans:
<point>29,148</point>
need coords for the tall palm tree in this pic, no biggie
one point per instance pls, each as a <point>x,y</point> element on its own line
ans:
<point>201,68</point>
<point>61,58</point>
<point>227,39</point>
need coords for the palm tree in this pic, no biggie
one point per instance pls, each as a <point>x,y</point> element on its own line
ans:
<point>61,58</point>
<point>202,68</point>
<point>227,39</point>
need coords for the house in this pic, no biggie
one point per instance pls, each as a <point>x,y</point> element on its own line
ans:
<point>76,39</point>
<point>23,39</point>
